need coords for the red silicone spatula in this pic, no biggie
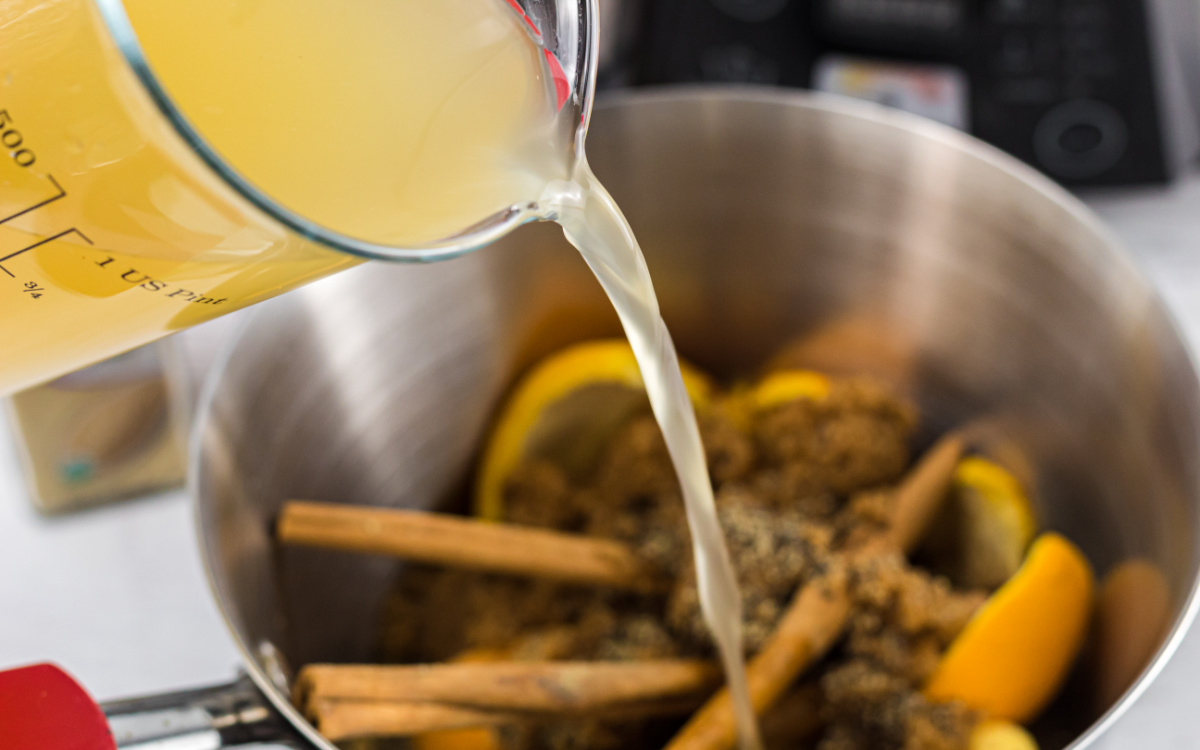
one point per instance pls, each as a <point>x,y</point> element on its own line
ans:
<point>43,708</point>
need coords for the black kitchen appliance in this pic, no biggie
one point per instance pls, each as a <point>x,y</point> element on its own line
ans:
<point>1090,91</point>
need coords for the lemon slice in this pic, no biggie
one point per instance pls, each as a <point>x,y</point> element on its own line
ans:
<point>1016,651</point>
<point>981,535</point>
<point>782,387</point>
<point>1001,735</point>
<point>774,389</point>
<point>565,410</point>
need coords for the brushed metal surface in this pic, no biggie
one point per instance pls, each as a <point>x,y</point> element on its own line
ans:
<point>846,236</point>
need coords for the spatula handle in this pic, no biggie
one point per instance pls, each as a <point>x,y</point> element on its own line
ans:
<point>44,708</point>
<point>210,718</point>
<point>41,707</point>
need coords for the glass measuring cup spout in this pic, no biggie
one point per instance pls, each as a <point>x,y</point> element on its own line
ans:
<point>162,164</point>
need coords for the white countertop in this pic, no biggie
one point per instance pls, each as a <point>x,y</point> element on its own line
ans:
<point>117,596</point>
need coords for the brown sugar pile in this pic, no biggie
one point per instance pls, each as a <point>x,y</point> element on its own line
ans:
<point>795,485</point>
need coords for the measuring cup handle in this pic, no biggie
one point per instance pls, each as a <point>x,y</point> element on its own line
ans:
<point>209,718</point>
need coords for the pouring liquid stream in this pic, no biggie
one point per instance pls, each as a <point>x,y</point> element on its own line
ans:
<point>594,224</point>
<point>447,114</point>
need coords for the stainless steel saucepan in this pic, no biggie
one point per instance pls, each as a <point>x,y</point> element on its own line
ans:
<point>846,236</point>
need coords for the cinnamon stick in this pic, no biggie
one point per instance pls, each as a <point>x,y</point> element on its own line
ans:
<point>343,720</point>
<point>338,719</point>
<point>555,687</point>
<point>820,609</point>
<point>920,494</point>
<point>466,543</point>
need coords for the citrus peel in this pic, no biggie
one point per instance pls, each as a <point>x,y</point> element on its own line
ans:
<point>773,389</point>
<point>1014,654</point>
<point>983,531</point>
<point>1000,489</point>
<point>567,399</point>
<point>781,387</point>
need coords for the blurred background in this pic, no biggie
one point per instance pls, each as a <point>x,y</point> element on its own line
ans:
<point>1092,92</point>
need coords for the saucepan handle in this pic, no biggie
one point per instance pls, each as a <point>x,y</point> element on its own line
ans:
<point>55,711</point>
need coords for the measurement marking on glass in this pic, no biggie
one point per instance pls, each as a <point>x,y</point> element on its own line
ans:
<point>13,141</point>
<point>61,194</point>
<point>33,289</point>
<point>58,236</point>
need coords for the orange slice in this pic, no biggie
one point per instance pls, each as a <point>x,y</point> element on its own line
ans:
<point>1016,651</point>
<point>565,410</point>
<point>982,532</point>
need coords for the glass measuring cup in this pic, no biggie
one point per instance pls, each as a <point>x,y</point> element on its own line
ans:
<point>120,222</point>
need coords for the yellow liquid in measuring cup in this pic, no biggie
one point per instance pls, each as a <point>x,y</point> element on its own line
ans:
<point>395,122</point>
<point>402,122</point>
